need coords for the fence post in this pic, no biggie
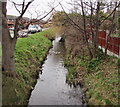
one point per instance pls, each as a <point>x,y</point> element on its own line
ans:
<point>106,39</point>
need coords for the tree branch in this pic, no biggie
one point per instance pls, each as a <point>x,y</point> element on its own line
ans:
<point>110,13</point>
<point>24,10</point>
<point>71,19</point>
<point>15,5</point>
<point>23,5</point>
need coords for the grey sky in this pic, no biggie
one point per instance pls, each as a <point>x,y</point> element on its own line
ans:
<point>41,6</point>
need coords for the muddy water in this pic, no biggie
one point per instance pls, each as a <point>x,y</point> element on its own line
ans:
<point>51,87</point>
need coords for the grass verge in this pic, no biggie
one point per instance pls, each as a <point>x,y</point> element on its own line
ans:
<point>99,78</point>
<point>29,54</point>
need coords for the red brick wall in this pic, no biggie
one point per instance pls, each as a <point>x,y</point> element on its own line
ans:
<point>113,42</point>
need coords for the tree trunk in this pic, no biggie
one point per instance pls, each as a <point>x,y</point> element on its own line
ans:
<point>97,30</point>
<point>8,45</point>
<point>85,31</point>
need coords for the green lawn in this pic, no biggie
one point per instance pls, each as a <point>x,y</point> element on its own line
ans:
<point>29,54</point>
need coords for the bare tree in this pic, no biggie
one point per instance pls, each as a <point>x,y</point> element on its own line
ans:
<point>8,43</point>
<point>90,15</point>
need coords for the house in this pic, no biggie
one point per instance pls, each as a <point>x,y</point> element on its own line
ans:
<point>11,21</point>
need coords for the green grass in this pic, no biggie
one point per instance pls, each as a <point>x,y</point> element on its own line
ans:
<point>115,35</point>
<point>29,54</point>
<point>100,78</point>
<point>104,82</point>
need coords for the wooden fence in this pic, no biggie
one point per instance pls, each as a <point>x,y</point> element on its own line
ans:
<point>113,42</point>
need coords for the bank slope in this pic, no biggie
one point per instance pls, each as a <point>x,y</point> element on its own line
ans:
<point>29,54</point>
<point>99,78</point>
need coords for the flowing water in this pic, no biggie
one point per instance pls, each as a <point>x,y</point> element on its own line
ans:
<point>51,87</point>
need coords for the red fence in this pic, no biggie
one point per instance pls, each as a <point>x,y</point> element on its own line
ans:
<point>113,42</point>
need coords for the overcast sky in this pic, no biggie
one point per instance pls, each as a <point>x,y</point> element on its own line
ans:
<point>41,6</point>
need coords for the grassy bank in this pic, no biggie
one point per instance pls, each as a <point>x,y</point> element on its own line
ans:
<point>98,77</point>
<point>29,54</point>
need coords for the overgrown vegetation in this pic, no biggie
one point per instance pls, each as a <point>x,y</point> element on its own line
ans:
<point>103,85</point>
<point>88,67</point>
<point>29,54</point>
<point>98,77</point>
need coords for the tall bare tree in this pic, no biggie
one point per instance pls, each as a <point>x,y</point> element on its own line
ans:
<point>91,20</point>
<point>8,43</point>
